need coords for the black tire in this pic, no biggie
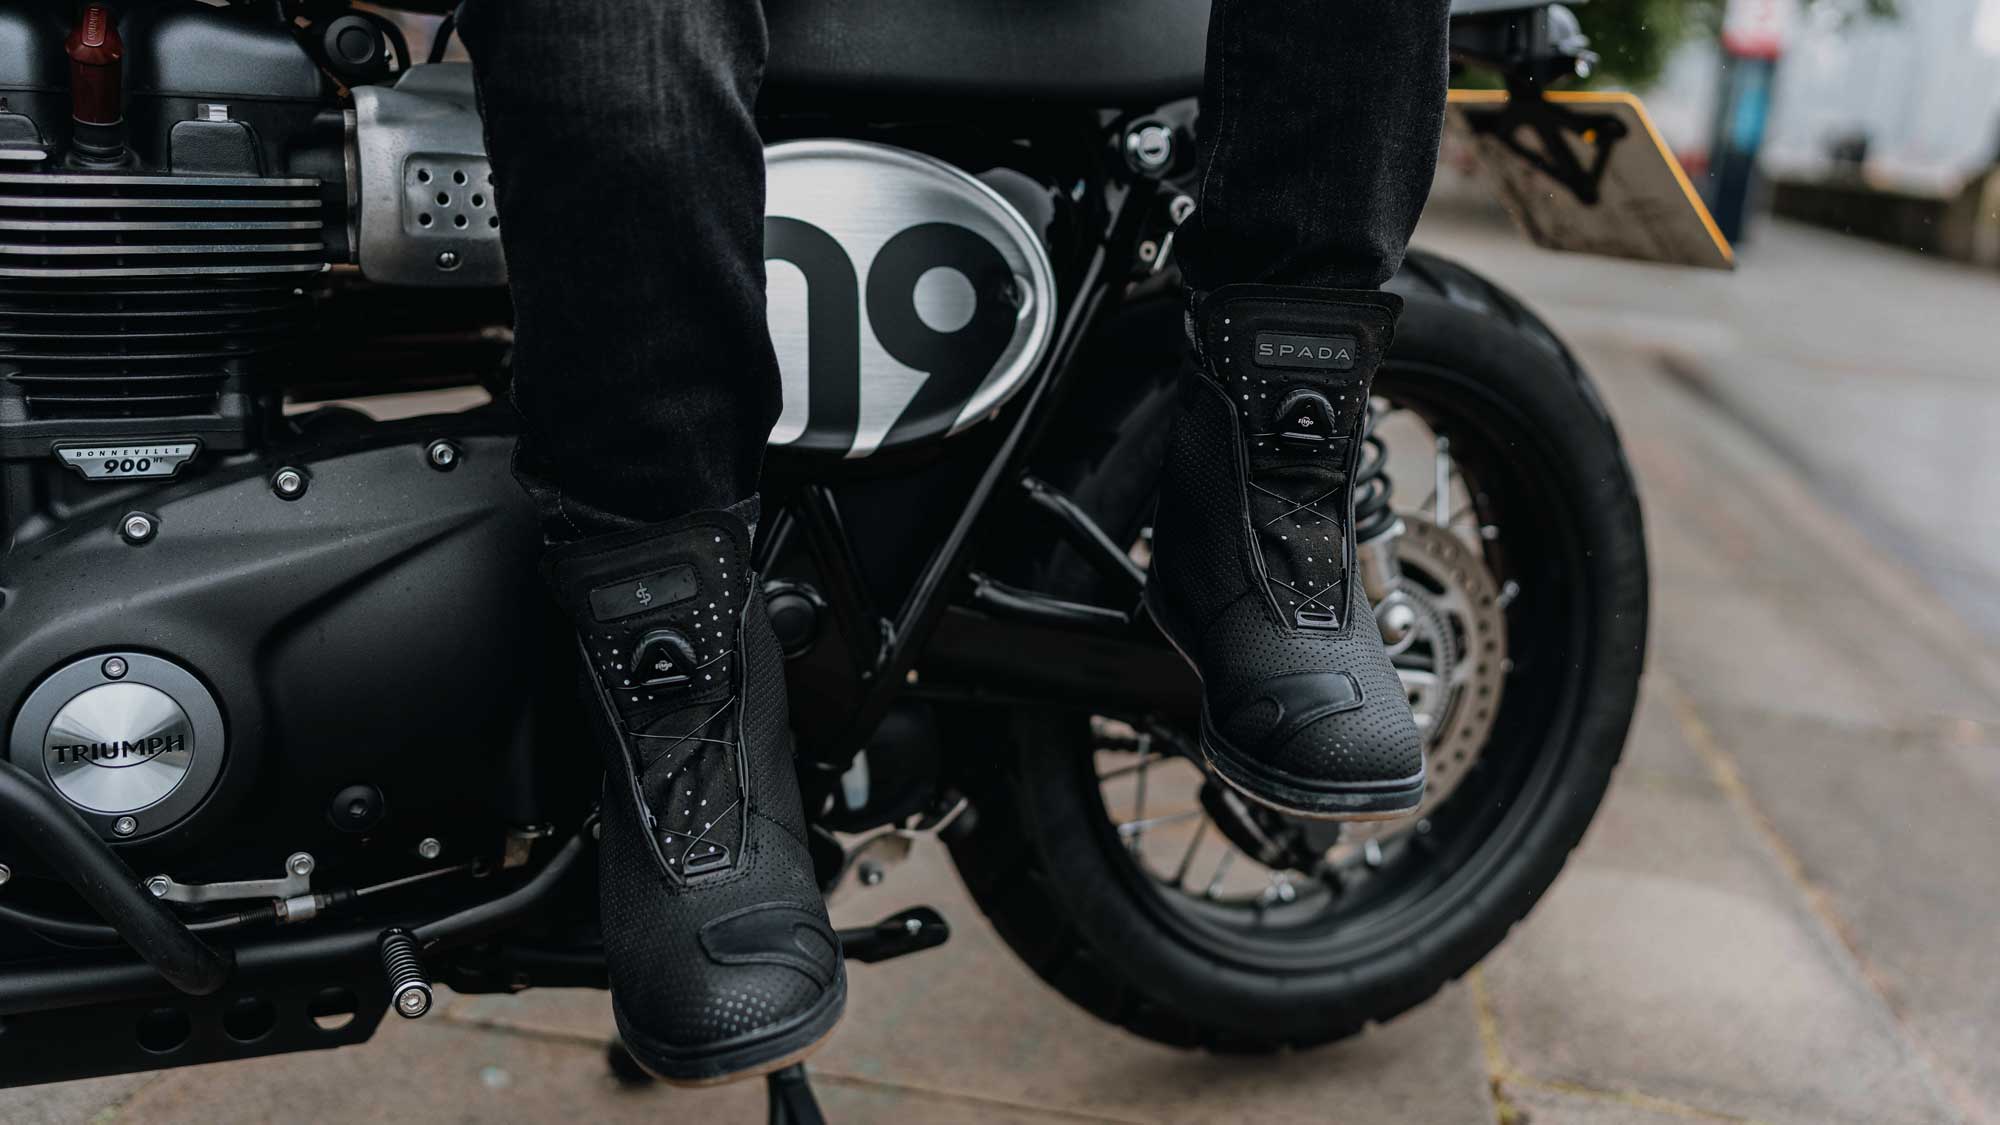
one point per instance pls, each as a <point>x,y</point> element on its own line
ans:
<point>1040,856</point>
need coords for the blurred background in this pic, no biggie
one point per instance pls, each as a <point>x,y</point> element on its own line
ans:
<point>1787,909</point>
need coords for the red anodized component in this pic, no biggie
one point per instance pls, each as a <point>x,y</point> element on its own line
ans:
<point>96,68</point>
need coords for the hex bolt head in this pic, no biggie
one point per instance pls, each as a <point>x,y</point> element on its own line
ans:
<point>300,864</point>
<point>1397,621</point>
<point>413,1002</point>
<point>158,886</point>
<point>430,848</point>
<point>1150,147</point>
<point>6,874</point>
<point>138,527</point>
<point>448,259</point>
<point>289,483</point>
<point>115,668</point>
<point>442,455</point>
<point>125,826</point>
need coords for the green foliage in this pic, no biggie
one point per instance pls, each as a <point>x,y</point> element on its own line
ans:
<point>1634,37</point>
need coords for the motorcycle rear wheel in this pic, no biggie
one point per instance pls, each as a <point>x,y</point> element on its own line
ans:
<point>1048,866</point>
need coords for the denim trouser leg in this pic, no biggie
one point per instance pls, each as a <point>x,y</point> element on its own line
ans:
<point>630,174</point>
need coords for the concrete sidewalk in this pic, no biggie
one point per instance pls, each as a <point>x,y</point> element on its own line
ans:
<point>1786,911</point>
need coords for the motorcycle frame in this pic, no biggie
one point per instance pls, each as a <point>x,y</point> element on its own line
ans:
<point>1056,653</point>
<point>76,996</point>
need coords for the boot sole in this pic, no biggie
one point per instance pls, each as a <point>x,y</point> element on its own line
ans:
<point>1288,795</point>
<point>1282,792</point>
<point>739,1059</point>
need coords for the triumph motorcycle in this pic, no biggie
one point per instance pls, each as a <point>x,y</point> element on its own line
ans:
<point>287,734</point>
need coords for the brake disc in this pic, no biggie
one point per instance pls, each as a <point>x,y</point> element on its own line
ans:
<point>1453,661</point>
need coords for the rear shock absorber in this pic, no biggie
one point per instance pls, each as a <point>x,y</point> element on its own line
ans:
<point>1372,515</point>
<point>409,984</point>
<point>1376,529</point>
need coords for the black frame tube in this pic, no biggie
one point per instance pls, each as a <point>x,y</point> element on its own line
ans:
<point>933,591</point>
<point>55,832</point>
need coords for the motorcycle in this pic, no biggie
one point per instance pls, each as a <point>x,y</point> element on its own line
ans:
<point>289,727</point>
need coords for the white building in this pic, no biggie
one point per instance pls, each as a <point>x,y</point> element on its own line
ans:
<point>1923,89</point>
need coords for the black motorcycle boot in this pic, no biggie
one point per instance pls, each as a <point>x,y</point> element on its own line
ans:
<point>722,962</point>
<point>1253,572</point>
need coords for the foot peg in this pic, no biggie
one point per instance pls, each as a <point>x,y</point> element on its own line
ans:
<point>912,931</point>
<point>409,984</point>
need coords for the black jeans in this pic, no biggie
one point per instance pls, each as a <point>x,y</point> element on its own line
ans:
<point>626,156</point>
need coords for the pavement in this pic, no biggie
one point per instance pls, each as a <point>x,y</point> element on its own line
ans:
<point>1787,910</point>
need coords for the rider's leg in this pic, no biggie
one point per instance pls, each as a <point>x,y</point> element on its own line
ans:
<point>1318,137</point>
<point>631,179</point>
<point>627,158</point>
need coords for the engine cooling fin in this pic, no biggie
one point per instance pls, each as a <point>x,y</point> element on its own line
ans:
<point>139,305</point>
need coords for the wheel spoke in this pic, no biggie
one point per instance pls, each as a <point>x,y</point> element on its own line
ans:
<point>1187,857</point>
<point>1132,829</point>
<point>1221,871</point>
<point>1441,482</point>
<point>1129,768</point>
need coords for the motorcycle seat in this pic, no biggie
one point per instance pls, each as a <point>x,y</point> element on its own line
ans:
<point>1100,52</point>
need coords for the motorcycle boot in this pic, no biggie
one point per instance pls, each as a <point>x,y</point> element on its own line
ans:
<point>1253,573</point>
<point>722,962</point>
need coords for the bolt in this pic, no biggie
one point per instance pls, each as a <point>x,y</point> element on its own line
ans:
<point>6,874</point>
<point>115,668</point>
<point>413,1002</point>
<point>913,926</point>
<point>430,848</point>
<point>1397,621</point>
<point>442,455</point>
<point>138,527</point>
<point>125,826</point>
<point>288,483</point>
<point>871,873</point>
<point>1150,148</point>
<point>1180,209</point>
<point>300,864</point>
<point>448,259</point>
<point>159,885</point>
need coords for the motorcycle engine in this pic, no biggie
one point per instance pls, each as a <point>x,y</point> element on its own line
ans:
<point>231,632</point>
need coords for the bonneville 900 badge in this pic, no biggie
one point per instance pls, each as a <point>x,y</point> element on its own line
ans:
<point>129,462</point>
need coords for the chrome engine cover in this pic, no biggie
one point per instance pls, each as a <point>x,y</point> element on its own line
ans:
<point>135,743</point>
<point>907,300</point>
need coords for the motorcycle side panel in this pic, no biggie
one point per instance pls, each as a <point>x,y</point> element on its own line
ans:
<point>907,300</point>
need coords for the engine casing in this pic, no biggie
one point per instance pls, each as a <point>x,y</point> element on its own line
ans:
<point>385,630</point>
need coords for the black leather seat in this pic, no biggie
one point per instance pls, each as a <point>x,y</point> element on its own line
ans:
<point>1102,52</point>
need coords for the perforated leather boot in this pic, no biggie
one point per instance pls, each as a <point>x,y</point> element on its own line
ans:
<point>722,962</point>
<point>1253,573</point>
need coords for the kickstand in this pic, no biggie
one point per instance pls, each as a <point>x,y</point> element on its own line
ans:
<point>792,1101</point>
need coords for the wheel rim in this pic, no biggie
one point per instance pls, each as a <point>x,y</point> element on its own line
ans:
<point>1196,866</point>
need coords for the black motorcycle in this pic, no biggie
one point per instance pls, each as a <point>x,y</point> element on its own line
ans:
<point>281,748</point>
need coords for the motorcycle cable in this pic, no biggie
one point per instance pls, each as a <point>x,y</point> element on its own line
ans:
<point>442,40</point>
<point>96,933</point>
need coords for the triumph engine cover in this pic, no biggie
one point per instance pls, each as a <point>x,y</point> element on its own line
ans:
<point>134,742</point>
